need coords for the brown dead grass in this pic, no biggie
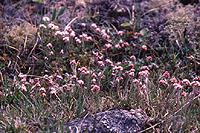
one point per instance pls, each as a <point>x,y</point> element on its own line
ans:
<point>20,34</point>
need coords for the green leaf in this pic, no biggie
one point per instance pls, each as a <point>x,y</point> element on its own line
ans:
<point>38,1</point>
<point>126,24</point>
<point>79,104</point>
<point>54,15</point>
<point>60,12</point>
<point>144,32</point>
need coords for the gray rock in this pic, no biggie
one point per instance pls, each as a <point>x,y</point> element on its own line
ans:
<point>113,121</point>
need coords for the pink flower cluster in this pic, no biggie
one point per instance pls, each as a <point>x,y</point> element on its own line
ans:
<point>95,88</point>
<point>85,37</point>
<point>144,72</point>
<point>130,73</point>
<point>80,83</point>
<point>137,83</point>
<point>36,84</point>
<point>52,26</point>
<point>73,62</point>
<point>109,62</point>
<point>142,82</point>
<point>121,44</point>
<point>141,88</point>
<point>98,56</point>
<point>108,46</point>
<point>149,58</point>
<point>84,70</point>
<point>116,70</point>
<point>98,59</point>
<point>102,32</point>
<point>48,84</point>
<point>167,80</point>
<point>66,34</point>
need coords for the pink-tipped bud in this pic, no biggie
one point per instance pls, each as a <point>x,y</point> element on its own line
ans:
<point>184,94</point>
<point>131,74</point>
<point>186,82</point>
<point>95,88</point>
<point>23,87</point>
<point>93,25</point>
<point>177,86</point>
<point>108,46</point>
<point>80,82</point>
<point>162,82</point>
<point>195,84</point>
<point>120,33</point>
<point>173,80</point>
<point>149,58</point>
<point>144,47</point>
<point>166,74</point>
<point>73,62</point>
